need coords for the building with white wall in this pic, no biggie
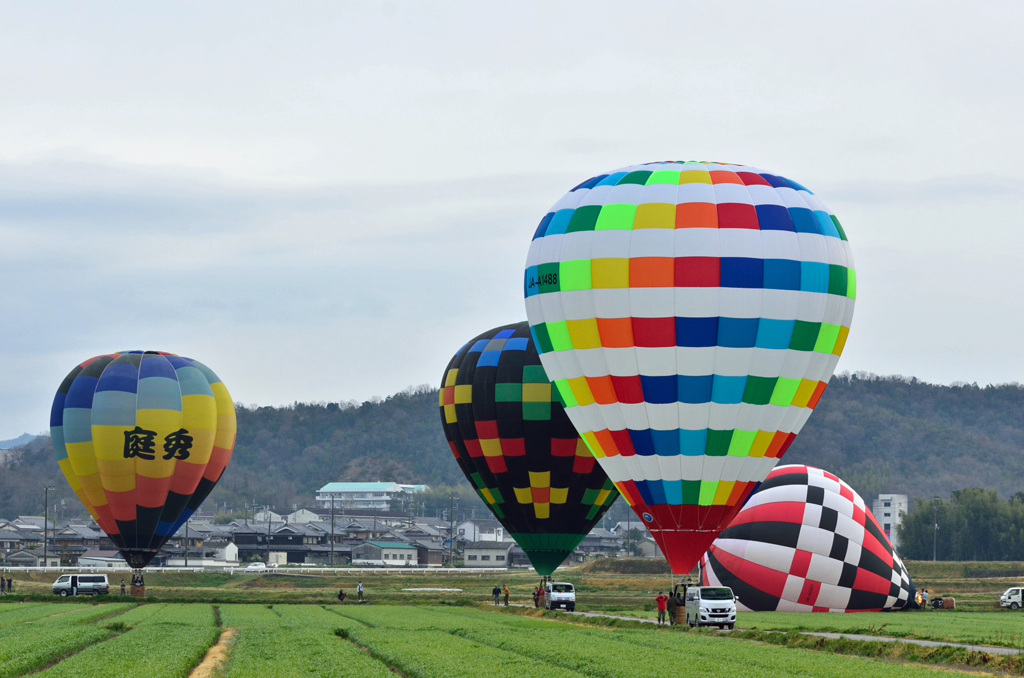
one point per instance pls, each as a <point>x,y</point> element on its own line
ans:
<point>889,510</point>
<point>376,496</point>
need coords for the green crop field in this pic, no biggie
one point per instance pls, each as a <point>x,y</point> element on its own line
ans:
<point>71,638</point>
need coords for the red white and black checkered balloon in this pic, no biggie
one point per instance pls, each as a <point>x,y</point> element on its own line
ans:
<point>805,542</point>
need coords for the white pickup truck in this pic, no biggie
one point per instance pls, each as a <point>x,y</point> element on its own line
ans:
<point>1012,598</point>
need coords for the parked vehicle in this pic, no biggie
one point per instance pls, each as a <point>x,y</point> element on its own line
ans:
<point>1012,598</point>
<point>82,584</point>
<point>256,567</point>
<point>710,606</point>
<point>559,595</point>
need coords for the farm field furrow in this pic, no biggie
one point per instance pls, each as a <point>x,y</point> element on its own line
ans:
<point>978,628</point>
<point>169,643</point>
<point>345,641</point>
<point>291,640</point>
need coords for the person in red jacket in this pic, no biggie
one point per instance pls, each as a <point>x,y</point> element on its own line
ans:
<point>662,601</point>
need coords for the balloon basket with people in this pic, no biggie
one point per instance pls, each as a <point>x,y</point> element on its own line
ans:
<point>138,589</point>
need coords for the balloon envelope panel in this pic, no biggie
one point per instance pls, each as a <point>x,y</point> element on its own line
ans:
<point>690,315</point>
<point>512,439</point>
<point>806,542</point>
<point>142,438</point>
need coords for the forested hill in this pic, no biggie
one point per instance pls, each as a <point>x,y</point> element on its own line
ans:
<point>889,434</point>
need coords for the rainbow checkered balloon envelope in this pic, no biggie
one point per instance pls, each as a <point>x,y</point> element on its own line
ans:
<point>805,542</point>
<point>142,438</point>
<point>509,433</point>
<point>691,315</point>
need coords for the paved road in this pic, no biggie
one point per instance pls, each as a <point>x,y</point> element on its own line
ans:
<point>990,649</point>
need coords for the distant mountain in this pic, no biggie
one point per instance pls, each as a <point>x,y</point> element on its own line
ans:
<point>879,434</point>
<point>23,439</point>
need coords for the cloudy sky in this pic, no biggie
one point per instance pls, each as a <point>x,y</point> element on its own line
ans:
<point>323,200</point>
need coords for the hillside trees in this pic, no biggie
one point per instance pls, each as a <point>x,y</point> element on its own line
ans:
<point>974,524</point>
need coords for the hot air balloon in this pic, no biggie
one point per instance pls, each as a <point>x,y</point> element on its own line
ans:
<point>691,315</point>
<point>511,438</point>
<point>142,438</point>
<point>806,542</point>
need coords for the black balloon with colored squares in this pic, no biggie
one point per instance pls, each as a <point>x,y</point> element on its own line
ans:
<point>508,430</point>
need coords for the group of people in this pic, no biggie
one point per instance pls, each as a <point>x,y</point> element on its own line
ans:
<point>668,604</point>
<point>538,596</point>
<point>497,591</point>
<point>359,592</point>
<point>6,586</point>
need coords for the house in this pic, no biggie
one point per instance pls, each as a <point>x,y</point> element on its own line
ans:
<point>32,558</point>
<point>213,553</point>
<point>376,495</point>
<point>619,529</point>
<point>385,553</point>
<point>601,542</point>
<point>103,559</point>
<point>264,515</point>
<point>649,548</point>
<point>429,554</point>
<point>72,540</point>
<point>481,530</point>
<point>487,553</point>
<point>11,540</point>
<point>301,517</point>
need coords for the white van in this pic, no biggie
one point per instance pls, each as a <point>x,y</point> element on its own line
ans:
<point>81,584</point>
<point>1012,598</point>
<point>559,594</point>
<point>710,606</point>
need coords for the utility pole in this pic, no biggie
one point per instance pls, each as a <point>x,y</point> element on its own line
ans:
<point>629,529</point>
<point>451,530</point>
<point>332,530</point>
<point>935,532</point>
<point>268,534</point>
<point>46,520</point>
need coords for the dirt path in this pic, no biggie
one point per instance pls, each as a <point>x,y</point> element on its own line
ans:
<point>216,657</point>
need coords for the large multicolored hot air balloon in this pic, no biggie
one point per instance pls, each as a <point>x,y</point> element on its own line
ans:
<point>511,438</point>
<point>691,315</point>
<point>142,438</point>
<point>806,542</point>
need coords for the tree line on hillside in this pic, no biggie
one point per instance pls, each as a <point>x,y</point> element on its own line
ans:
<point>974,524</point>
<point>879,434</point>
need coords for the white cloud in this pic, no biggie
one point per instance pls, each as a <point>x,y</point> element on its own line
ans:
<point>323,201</point>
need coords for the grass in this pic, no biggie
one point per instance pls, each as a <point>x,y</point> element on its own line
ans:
<point>342,641</point>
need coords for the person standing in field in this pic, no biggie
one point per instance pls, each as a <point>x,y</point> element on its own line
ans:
<point>536,594</point>
<point>505,588</point>
<point>359,591</point>
<point>540,597</point>
<point>3,591</point>
<point>122,587</point>
<point>672,606</point>
<point>662,601</point>
<point>10,585</point>
<point>496,592</point>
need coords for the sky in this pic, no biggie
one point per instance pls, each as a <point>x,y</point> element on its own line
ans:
<point>322,201</point>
